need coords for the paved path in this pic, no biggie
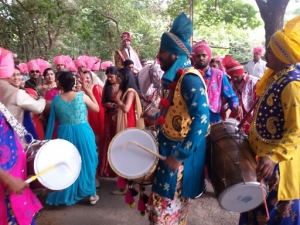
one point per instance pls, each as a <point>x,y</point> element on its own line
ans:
<point>112,210</point>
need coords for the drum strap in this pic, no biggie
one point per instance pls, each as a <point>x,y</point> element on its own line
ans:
<point>18,128</point>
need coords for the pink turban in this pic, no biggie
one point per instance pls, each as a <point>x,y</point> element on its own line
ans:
<point>218,58</point>
<point>87,60</point>
<point>258,50</point>
<point>106,64</point>
<point>32,65</point>
<point>202,45</point>
<point>38,64</point>
<point>23,68</point>
<point>79,63</point>
<point>96,65</point>
<point>6,63</point>
<point>71,66</point>
<point>61,59</point>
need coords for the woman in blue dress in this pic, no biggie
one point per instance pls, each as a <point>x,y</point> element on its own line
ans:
<point>70,109</point>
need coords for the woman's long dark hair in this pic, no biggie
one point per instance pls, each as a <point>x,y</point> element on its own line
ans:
<point>66,81</point>
<point>127,80</point>
<point>107,90</point>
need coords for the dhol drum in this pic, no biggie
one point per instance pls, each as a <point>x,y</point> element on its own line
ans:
<point>44,154</point>
<point>231,166</point>
<point>131,161</point>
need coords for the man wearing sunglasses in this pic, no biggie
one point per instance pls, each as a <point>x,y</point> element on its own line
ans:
<point>34,76</point>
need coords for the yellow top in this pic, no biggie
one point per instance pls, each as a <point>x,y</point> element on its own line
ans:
<point>286,151</point>
<point>178,120</point>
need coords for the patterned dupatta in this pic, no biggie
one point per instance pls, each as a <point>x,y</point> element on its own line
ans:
<point>17,127</point>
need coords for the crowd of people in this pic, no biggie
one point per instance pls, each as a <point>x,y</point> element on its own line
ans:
<point>72,102</point>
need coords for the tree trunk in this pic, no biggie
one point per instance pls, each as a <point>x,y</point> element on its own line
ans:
<point>272,12</point>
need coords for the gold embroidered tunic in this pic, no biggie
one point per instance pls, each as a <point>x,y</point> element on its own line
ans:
<point>275,130</point>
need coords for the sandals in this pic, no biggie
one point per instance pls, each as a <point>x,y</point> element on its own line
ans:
<point>94,199</point>
<point>119,192</point>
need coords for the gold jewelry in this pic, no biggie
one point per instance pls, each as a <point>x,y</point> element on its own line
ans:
<point>115,87</point>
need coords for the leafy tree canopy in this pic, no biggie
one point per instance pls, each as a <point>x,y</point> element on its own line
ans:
<point>45,28</point>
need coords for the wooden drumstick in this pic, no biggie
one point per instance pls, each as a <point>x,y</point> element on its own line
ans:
<point>146,149</point>
<point>33,178</point>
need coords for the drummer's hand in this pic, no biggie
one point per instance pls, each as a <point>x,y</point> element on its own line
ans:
<point>274,180</point>
<point>240,112</point>
<point>265,168</point>
<point>16,185</point>
<point>172,163</point>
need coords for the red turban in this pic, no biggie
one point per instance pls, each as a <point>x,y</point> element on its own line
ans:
<point>125,36</point>
<point>232,66</point>
<point>7,66</point>
<point>258,50</point>
<point>202,45</point>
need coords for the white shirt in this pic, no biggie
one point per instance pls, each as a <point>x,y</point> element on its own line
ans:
<point>25,101</point>
<point>256,69</point>
<point>96,79</point>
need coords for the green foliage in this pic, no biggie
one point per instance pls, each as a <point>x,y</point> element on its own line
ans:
<point>213,12</point>
<point>45,28</point>
<point>228,39</point>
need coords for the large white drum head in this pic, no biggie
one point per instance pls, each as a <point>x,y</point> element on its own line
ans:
<point>63,153</point>
<point>129,160</point>
<point>242,197</point>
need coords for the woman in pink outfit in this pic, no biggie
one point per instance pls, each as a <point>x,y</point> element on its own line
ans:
<point>18,204</point>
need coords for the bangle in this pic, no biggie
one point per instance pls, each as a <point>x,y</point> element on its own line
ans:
<point>120,103</point>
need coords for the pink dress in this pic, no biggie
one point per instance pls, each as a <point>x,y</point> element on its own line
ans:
<point>49,97</point>
<point>13,161</point>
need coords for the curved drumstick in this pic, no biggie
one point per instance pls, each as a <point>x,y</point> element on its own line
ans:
<point>146,149</point>
<point>33,178</point>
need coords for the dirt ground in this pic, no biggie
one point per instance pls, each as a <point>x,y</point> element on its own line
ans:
<point>112,210</point>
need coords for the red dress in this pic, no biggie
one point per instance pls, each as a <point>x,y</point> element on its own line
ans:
<point>96,119</point>
<point>49,96</point>
<point>131,118</point>
<point>110,125</point>
<point>36,117</point>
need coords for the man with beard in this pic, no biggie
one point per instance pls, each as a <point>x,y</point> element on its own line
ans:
<point>183,121</point>
<point>275,128</point>
<point>218,86</point>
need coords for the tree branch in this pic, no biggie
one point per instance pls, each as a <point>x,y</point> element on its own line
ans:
<point>107,17</point>
<point>20,3</point>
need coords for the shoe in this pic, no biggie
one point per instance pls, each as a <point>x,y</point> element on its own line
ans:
<point>119,192</point>
<point>97,183</point>
<point>38,214</point>
<point>204,190</point>
<point>94,200</point>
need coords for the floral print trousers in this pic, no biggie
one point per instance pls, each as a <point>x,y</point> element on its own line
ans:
<point>165,211</point>
<point>281,213</point>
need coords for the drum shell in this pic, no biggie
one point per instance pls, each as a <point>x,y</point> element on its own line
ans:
<point>31,152</point>
<point>141,136</point>
<point>148,179</point>
<point>229,157</point>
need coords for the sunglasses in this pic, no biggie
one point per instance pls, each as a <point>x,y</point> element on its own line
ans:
<point>34,71</point>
